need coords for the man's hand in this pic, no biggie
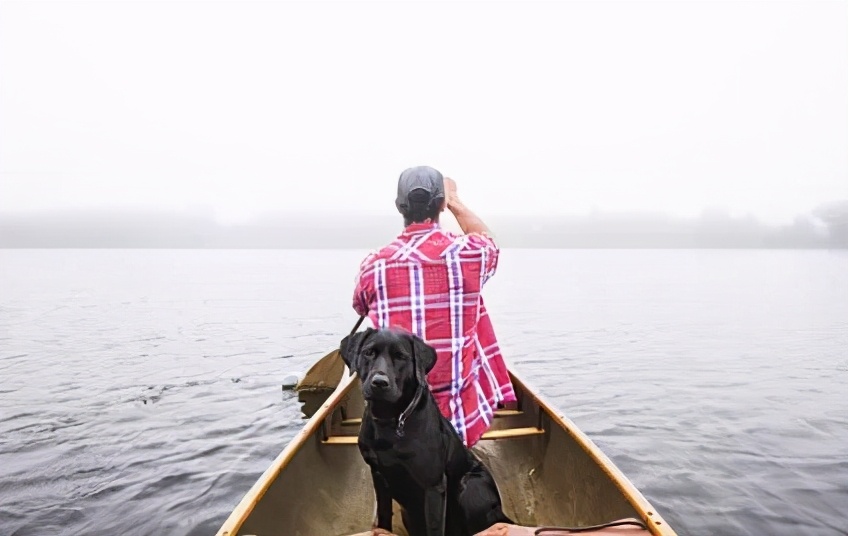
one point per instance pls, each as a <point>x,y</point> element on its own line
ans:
<point>467,220</point>
<point>451,198</point>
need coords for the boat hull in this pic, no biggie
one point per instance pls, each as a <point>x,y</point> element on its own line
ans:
<point>548,472</point>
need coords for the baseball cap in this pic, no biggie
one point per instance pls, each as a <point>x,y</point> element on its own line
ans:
<point>419,178</point>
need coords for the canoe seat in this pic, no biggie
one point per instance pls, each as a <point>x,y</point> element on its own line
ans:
<point>508,433</point>
<point>499,414</point>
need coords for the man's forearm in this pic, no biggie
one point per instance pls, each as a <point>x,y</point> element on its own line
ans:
<point>467,220</point>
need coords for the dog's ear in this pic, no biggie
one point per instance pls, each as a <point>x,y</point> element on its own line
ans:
<point>350,346</point>
<point>425,355</point>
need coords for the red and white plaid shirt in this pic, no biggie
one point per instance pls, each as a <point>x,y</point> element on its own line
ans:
<point>428,282</point>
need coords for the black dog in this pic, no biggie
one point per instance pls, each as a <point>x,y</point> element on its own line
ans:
<point>416,456</point>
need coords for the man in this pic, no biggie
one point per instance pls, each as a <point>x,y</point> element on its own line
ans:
<point>428,282</point>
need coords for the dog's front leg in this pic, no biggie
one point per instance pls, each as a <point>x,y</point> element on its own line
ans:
<point>435,503</point>
<point>384,501</point>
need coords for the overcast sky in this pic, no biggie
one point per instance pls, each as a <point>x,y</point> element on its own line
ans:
<point>243,107</point>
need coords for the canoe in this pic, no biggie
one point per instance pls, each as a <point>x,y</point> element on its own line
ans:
<point>549,472</point>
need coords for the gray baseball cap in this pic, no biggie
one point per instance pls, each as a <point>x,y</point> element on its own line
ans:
<point>419,178</point>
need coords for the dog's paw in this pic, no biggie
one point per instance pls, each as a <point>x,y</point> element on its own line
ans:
<point>381,532</point>
<point>498,529</point>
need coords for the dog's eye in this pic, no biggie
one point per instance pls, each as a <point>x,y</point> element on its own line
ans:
<point>369,352</point>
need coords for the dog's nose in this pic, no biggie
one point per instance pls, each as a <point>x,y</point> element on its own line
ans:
<point>380,381</point>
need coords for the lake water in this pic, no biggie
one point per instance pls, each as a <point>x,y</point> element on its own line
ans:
<point>140,389</point>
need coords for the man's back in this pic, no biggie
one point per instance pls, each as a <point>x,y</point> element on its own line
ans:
<point>428,281</point>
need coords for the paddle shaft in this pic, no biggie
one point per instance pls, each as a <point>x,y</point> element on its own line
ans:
<point>358,323</point>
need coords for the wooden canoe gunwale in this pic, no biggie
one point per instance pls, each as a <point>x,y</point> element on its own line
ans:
<point>314,425</point>
<point>652,519</point>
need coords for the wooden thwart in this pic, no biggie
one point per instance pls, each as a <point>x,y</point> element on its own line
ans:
<point>509,433</point>
<point>501,413</point>
<point>513,432</point>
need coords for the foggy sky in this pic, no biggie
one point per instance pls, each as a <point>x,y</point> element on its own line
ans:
<point>238,108</point>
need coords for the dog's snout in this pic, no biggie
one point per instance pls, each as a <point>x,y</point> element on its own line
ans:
<point>380,381</point>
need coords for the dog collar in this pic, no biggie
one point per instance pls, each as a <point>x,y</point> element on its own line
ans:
<point>403,416</point>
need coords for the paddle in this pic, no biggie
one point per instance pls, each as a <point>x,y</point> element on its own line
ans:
<point>326,373</point>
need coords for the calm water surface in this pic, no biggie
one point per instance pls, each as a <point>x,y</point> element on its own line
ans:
<point>140,390</point>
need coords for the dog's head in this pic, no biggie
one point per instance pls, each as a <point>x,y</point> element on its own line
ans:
<point>389,362</point>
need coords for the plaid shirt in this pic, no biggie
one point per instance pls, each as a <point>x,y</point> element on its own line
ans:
<point>428,282</point>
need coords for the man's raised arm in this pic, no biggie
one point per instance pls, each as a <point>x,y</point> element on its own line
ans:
<point>467,220</point>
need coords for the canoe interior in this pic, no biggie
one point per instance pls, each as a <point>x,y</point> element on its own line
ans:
<point>320,486</point>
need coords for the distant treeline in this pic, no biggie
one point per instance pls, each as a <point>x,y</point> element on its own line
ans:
<point>827,227</point>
